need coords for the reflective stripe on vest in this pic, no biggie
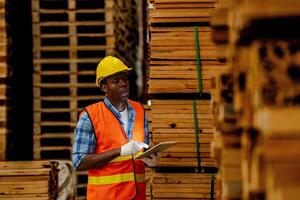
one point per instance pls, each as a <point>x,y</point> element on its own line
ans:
<point>118,178</point>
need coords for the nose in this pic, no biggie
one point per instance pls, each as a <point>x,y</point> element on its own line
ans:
<point>123,82</point>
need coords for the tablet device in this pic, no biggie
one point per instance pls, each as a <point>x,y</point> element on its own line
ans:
<point>157,148</point>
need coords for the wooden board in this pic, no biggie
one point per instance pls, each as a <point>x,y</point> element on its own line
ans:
<point>31,179</point>
<point>180,11</point>
<point>183,186</point>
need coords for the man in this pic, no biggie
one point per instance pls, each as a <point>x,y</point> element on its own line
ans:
<point>109,134</point>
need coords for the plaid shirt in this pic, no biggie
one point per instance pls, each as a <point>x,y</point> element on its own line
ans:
<point>85,140</point>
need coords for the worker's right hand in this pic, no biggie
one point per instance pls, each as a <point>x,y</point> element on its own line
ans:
<point>132,148</point>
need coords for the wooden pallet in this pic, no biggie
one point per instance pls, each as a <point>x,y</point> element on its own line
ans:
<point>69,40</point>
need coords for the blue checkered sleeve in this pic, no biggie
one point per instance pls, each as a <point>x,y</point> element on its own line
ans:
<point>146,127</point>
<point>84,139</point>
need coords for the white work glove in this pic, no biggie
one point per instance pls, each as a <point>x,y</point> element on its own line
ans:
<point>151,160</point>
<point>132,148</point>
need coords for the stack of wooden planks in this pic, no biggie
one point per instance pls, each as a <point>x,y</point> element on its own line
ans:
<point>182,11</point>
<point>183,63</point>
<point>227,140</point>
<point>263,57</point>
<point>282,178</point>
<point>173,67</point>
<point>191,186</point>
<point>28,180</point>
<point>173,120</point>
<point>4,86</point>
<point>227,144</point>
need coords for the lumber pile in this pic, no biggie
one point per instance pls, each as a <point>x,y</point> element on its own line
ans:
<point>184,186</point>
<point>181,11</point>
<point>34,180</point>
<point>174,30</point>
<point>261,99</point>
<point>183,75</point>
<point>173,67</point>
<point>173,120</point>
<point>4,84</point>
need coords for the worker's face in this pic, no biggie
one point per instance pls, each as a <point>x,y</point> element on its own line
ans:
<point>117,87</point>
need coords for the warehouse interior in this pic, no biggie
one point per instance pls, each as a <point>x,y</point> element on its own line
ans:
<point>219,77</point>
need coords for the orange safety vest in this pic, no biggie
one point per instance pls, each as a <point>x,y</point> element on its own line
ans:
<point>123,178</point>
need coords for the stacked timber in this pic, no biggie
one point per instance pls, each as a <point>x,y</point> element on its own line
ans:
<point>173,67</point>
<point>183,63</point>
<point>4,86</point>
<point>173,55</point>
<point>275,109</point>
<point>69,39</point>
<point>173,120</point>
<point>263,57</point>
<point>227,141</point>
<point>191,186</point>
<point>29,180</point>
<point>181,11</point>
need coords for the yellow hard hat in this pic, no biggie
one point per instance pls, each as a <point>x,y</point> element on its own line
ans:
<point>108,66</point>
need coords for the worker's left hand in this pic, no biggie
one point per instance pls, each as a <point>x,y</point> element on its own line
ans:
<point>151,160</point>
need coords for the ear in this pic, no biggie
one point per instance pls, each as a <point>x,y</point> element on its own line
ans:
<point>103,88</point>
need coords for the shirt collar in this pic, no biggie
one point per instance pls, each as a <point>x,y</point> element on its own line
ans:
<point>115,110</point>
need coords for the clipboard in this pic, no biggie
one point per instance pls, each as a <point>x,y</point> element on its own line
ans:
<point>156,148</point>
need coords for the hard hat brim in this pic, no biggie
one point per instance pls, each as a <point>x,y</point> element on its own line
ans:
<point>115,74</point>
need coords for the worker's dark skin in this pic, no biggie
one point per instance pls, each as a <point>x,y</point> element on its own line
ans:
<point>117,92</point>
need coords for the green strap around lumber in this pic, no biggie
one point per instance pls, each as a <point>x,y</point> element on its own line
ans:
<point>212,187</point>
<point>197,135</point>
<point>200,94</point>
<point>198,60</point>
